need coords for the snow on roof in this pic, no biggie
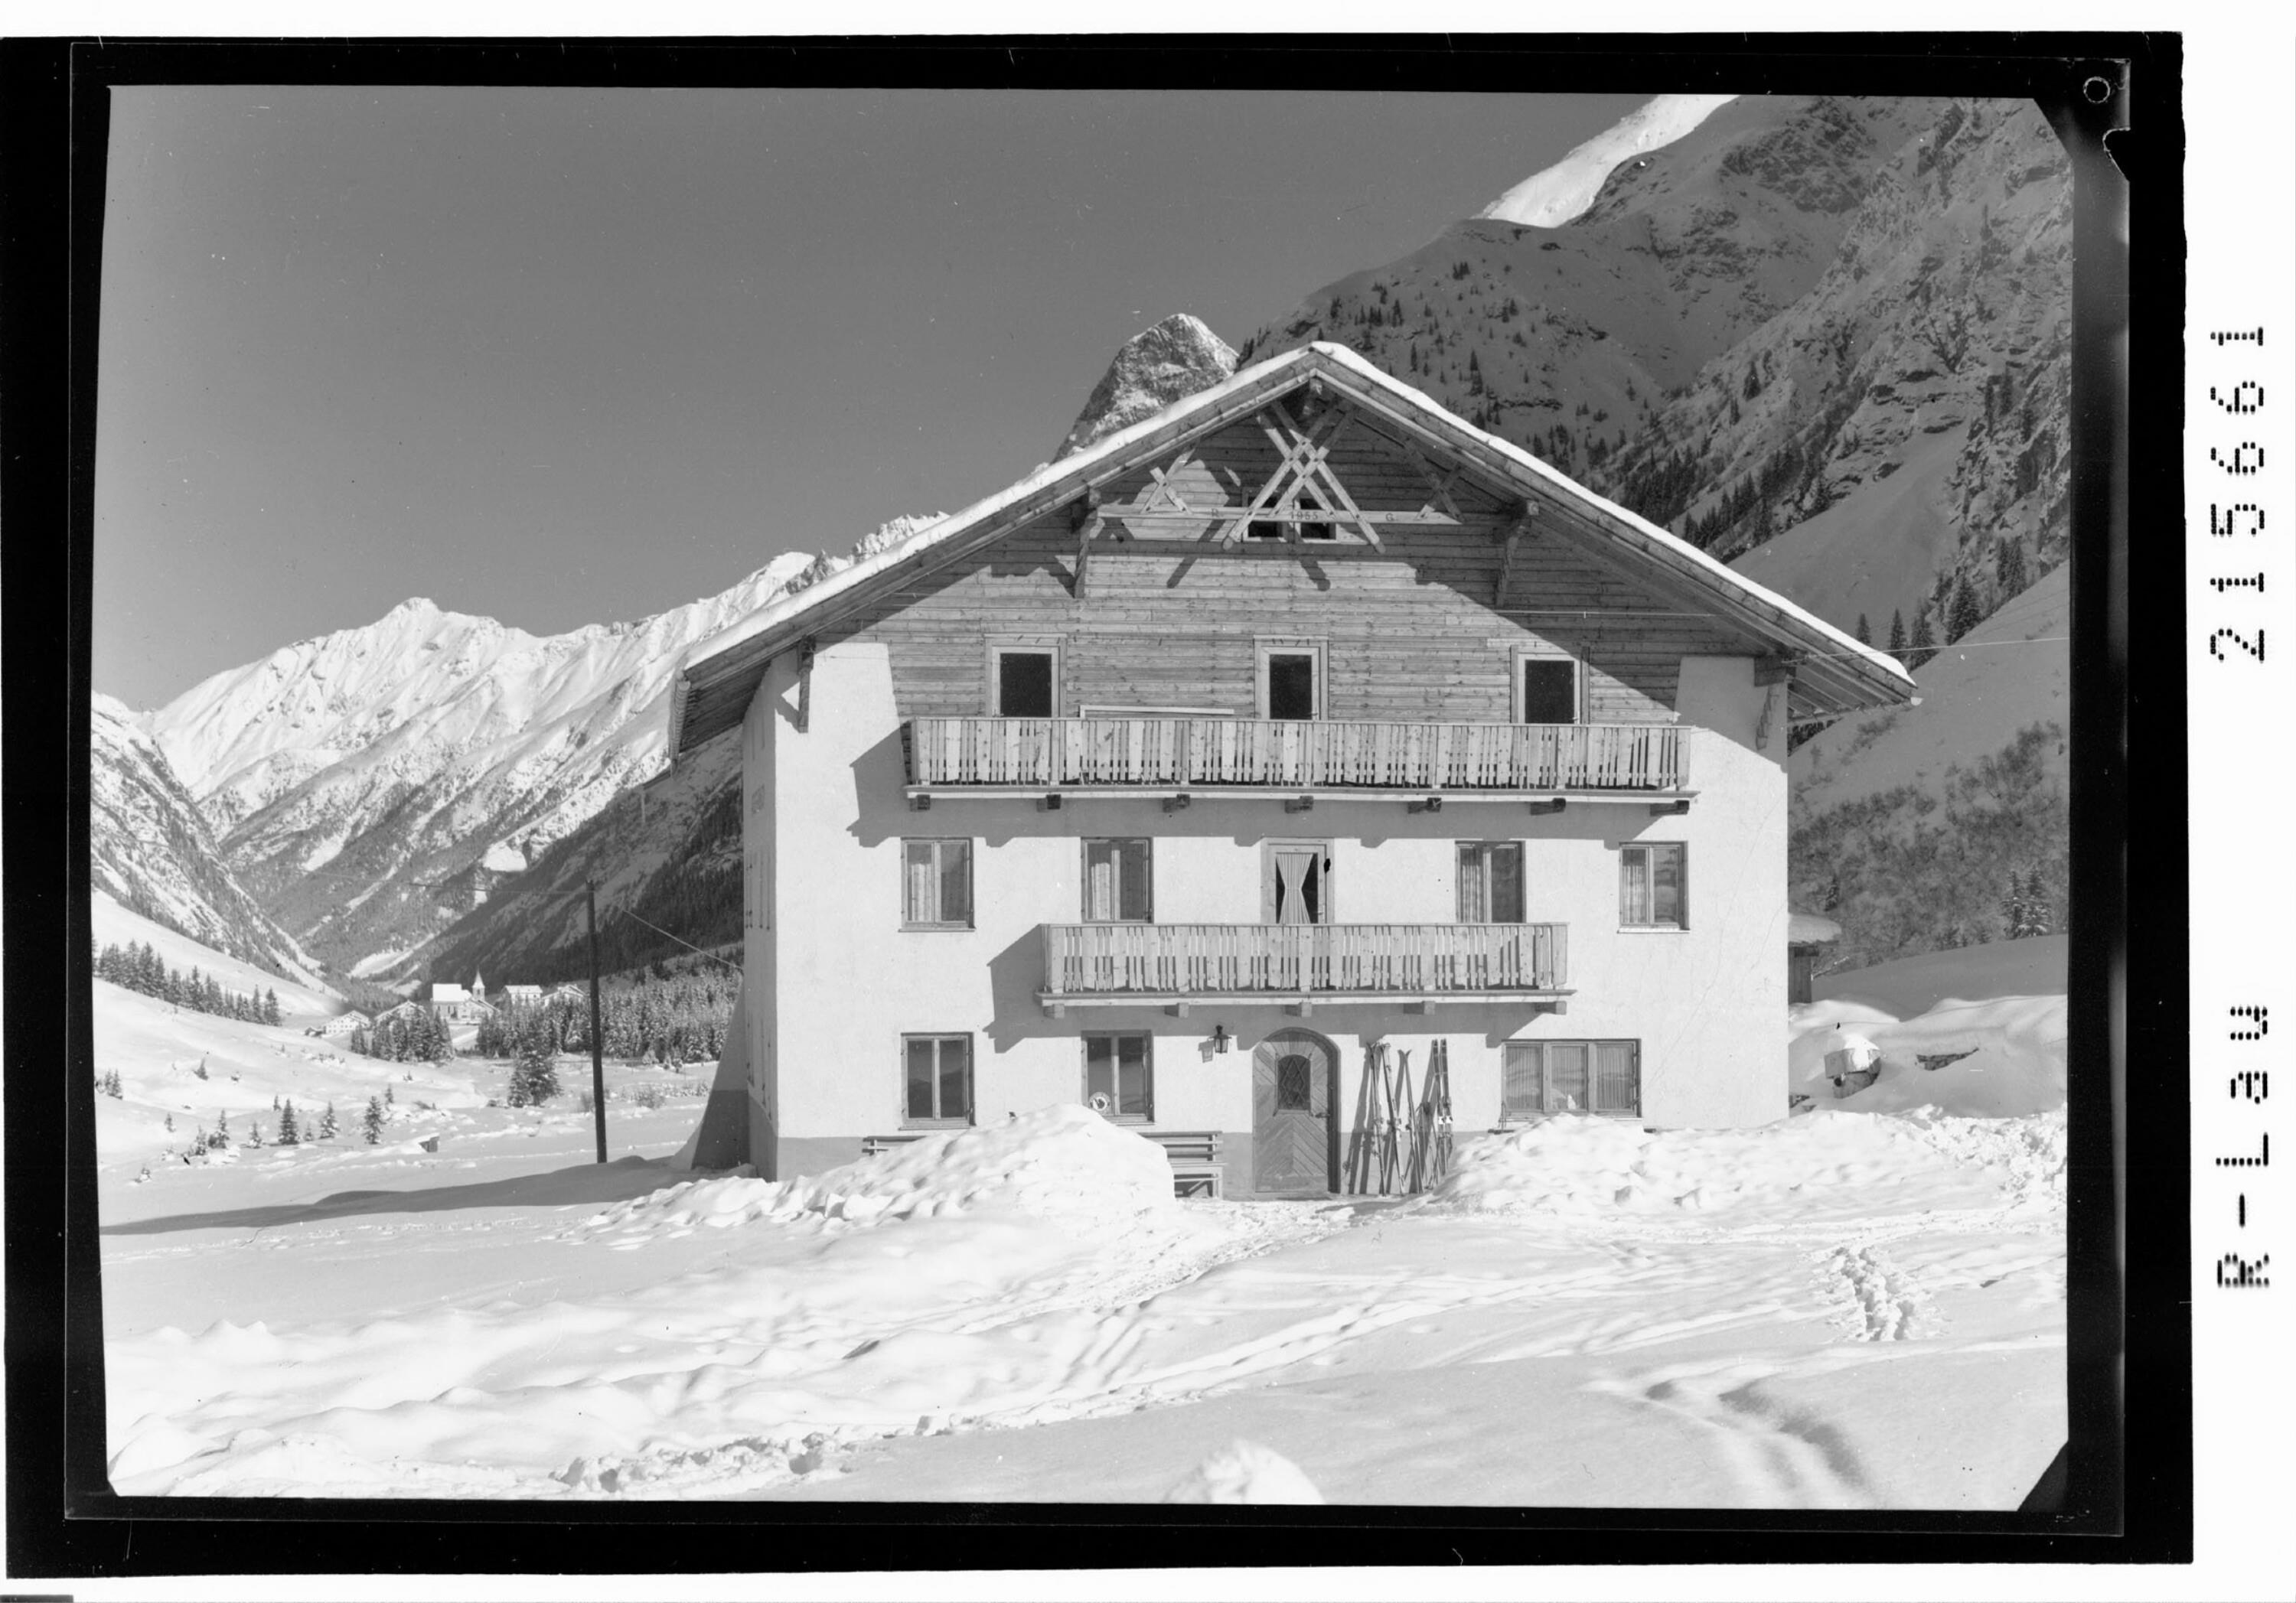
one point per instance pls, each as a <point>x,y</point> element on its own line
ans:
<point>1260,377</point>
<point>1808,929</point>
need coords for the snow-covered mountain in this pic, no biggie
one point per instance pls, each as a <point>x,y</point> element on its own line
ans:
<point>1825,337</point>
<point>1554,195</point>
<point>151,852</point>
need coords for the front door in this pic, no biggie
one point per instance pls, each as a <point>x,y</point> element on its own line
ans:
<point>1293,1145</point>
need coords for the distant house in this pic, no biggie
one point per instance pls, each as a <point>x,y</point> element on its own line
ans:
<point>1808,936</point>
<point>343,1024</point>
<point>404,1009</point>
<point>522,996</point>
<point>569,992</point>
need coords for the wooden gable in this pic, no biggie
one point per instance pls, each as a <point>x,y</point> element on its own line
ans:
<point>1195,535</point>
<point>1168,608</point>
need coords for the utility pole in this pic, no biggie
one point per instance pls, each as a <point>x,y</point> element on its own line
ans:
<point>597,1034</point>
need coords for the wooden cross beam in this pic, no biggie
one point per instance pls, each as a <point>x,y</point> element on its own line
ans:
<point>1086,517</point>
<point>1519,525</point>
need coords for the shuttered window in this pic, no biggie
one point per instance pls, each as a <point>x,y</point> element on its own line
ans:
<point>1119,1076</point>
<point>937,884</point>
<point>938,1079</point>
<point>1653,885</point>
<point>1116,882</point>
<point>1571,1077</point>
<point>1490,882</point>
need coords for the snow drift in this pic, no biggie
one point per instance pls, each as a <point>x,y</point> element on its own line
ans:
<point>1064,1162</point>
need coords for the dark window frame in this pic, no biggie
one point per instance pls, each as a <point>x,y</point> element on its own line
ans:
<point>1147,845</point>
<point>1539,1061</point>
<point>939,1118</point>
<point>1116,1114</point>
<point>1519,691</point>
<point>909,920</point>
<point>1649,850</point>
<point>1483,851</point>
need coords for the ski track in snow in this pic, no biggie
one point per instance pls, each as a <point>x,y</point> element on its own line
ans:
<point>801,1338</point>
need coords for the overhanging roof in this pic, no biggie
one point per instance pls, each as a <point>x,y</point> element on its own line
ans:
<point>1831,672</point>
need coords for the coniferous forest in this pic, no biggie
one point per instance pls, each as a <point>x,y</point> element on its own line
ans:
<point>140,969</point>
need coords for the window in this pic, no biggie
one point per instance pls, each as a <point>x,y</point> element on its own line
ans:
<point>1024,683</point>
<point>937,889</point>
<point>1295,1084</point>
<point>1116,882</point>
<point>1571,1077</point>
<point>1119,1076</point>
<point>1290,679</point>
<point>1295,885</point>
<point>940,1079</point>
<point>1274,530</point>
<point>1653,883</point>
<point>1490,882</point>
<point>1547,689</point>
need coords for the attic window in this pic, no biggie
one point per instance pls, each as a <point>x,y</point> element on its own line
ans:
<point>1308,531</point>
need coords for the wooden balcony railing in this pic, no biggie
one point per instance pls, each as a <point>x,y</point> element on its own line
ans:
<point>1208,753</point>
<point>1178,961</point>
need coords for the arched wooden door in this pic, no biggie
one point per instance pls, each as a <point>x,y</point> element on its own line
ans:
<point>1295,1087</point>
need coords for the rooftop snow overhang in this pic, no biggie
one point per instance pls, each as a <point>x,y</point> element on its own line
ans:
<point>1827,671</point>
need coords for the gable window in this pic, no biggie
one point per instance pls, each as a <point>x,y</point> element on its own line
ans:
<point>1272,530</point>
<point>1571,1077</point>
<point>1490,882</point>
<point>1653,885</point>
<point>1119,1076</point>
<point>939,1071</point>
<point>1024,683</point>
<point>937,889</point>
<point>1546,688</point>
<point>1290,677</point>
<point>1116,882</point>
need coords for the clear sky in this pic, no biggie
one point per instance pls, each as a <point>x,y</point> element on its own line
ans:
<point>569,355</point>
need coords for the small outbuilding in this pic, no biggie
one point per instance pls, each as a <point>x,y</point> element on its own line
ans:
<point>1808,937</point>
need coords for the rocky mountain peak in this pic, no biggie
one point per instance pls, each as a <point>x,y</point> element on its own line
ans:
<point>1154,368</point>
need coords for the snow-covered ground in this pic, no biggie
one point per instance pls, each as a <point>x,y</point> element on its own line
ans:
<point>1846,1308</point>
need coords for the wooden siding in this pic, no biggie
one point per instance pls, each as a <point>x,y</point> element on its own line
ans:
<point>1170,619</point>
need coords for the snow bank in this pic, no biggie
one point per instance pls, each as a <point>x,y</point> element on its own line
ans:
<point>2007,1055</point>
<point>1552,196</point>
<point>1585,1165</point>
<point>1064,1163</point>
<point>1245,1472</point>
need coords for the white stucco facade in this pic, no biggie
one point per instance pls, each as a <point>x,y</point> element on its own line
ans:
<point>833,981</point>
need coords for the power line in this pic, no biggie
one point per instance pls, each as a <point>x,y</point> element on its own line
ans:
<point>681,940</point>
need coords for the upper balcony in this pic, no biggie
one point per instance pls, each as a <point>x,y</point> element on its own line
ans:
<point>1173,757</point>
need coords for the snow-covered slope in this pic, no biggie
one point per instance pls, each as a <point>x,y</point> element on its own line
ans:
<point>301,1001</point>
<point>1553,197</point>
<point>1837,325</point>
<point>151,850</point>
<point>1926,826</point>
<point>2011,671</point>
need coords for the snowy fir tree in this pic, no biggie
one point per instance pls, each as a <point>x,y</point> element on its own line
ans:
<point>1924,644</point>
<point>1898,632</point>
<point>290,1133</point>
<point>2009,567</point>
<point>535,1079</point>
<point>1961,613</point>
<point>371,1124</point>
<point>328,1128</point>
<point>1863,632</point>
<point>270,1006</point>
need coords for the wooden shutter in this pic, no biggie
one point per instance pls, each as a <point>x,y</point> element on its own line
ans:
<point>1133,882</point>
<point>919,906</point>
<point>956,882</point>
<point>1473,907</point>
<point>1506,902</point>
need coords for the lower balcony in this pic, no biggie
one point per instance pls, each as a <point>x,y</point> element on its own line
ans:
<point>1298,965</point>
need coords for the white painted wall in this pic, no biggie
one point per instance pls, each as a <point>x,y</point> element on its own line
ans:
<point>835,981</point>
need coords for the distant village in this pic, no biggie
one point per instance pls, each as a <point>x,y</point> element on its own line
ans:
<point>458,1004</point>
